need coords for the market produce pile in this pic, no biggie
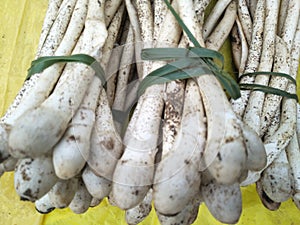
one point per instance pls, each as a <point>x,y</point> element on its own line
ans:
<point>165,127</point>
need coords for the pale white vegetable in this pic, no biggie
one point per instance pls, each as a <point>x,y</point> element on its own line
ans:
<point>282,15</point>
<point>4,154</point>
<point>266,201</point>
<point>134,172</point>
<point>177,179</point>
<point>290,23</point>
<point>82,199</point>
<point>276,179</point>
<point>239,105</point>
<point>107,50</point>
<point>106,145</point>
<point>72,151</point>
<point>225,151</point>
<point>123,75</point>
<point>223,201</point>
<point>28,137</point>
<point>256,154</point>
<point>44,205</point>
<point>97,186</point>
<point>271,102</point>
<point>214,16</point>
<point>51,14</point>
<point>39,86</point>
<point>293,154</point>
<point>95,202</point>
<point>33,178</point>
<point>245,19</point>
<point>199,7</point>
<point>138,213</point>
<point>8,164</point>
<point>244,46</point>
<point>252,115</point>
<point>218,36</point>
<point>62,193</point>
<point>58,28</point>
<point>111,7</point>
<point>186,217</point>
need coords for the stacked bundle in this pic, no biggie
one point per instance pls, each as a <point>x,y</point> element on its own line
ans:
<point>72,142</point>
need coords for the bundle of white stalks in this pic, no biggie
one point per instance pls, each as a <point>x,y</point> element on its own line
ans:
<point>72,140</point>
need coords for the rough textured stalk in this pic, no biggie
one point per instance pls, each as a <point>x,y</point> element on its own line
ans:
<point>272,102</point>
<point>293,154</point>
<point>245,19</point>
<point>200,6</point>
<point>276,179</point>
<point>214,16</point>
<point>58,28</point>
<point>134,172</point>
<point>177,179</point>
<point>107,50</point>
<point>253,110</point>
<point>39,86</point>
<point>138,213</point>
<point>72,151</point>
<point>51,14</point>
<point>29,138</point>
<point>218,36</point>
<point>97,186</point>
<point>223,201</point>
<point>81,200</point>
<point>106,145</point>
<point>239,105</point>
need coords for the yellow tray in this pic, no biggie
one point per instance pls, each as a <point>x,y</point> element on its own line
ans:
<point>20,29</point>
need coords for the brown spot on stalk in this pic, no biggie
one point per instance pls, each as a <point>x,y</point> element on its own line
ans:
<point>25,176</point>
<point>229,139</point>
<point>108,144</point>
<point>187,162</point>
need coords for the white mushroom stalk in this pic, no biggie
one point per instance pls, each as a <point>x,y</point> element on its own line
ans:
<point>279,140</point>
<point>113,31</point>
<point>97,186</point>
<point>39,86</point>
<point>111,7</point>
<point>44,205</point>
<point>223,201</point>
<point>245,19</point>
<point>239,105</point>
<point>187,216</point>
<point>177,179</point>
<point>62,193</point>
<point>57,110</point>
<point>214,16</point>
<point>123,76</point>
<point>282,15</point>
<point>34,178</point>
<point>58,28</point>
<point>82,199</point>
<point>272,102</point>
<point>106,145</point>
<point>224,149</point>
<point>142,134</point>
<point>253,110</point>
<point>276,179</point>
<point>138,213</point>
<point>200,6</point>
<point>72,151</point>
<point>51,14</point>
<point>293,155</point>
<point>218,36</point>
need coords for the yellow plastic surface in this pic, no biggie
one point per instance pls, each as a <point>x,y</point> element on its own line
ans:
<point>20,27</point>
